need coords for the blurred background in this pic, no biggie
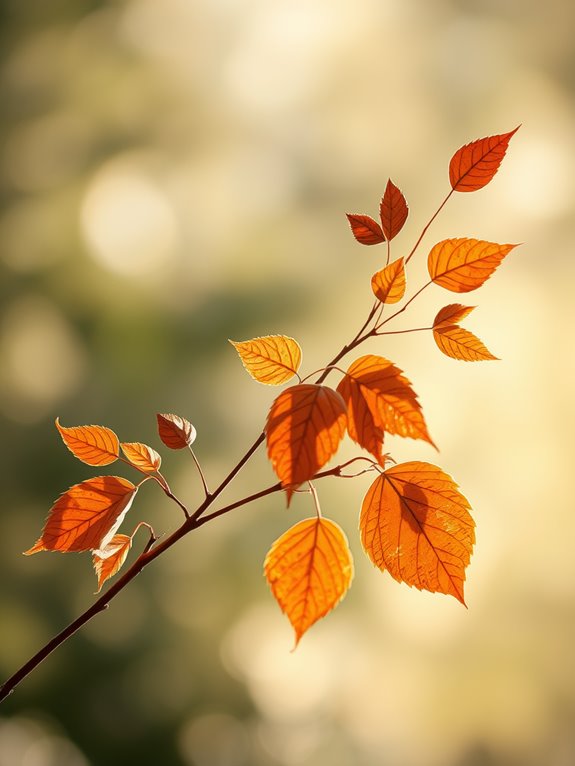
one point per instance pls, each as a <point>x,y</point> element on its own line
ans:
<point>176,173</point>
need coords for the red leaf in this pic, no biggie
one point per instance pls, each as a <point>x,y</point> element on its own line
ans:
<point>309,569</point>
<point>474,165</point>
<point>176,432</point>
<point>303,430</point>
<point>87,516</point>
<point>392,210</point>
<point>365,229</point>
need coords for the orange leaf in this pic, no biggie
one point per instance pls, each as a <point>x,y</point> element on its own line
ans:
<point>459,343</point>
<point>141,456</point>
<point>176,432</point>
<point>87,516</point>
<point>392,211</point>
<point>110,559</point>
<point>388,285</point>
<point>365,229</point>
<point>462,265</point>
<point>451,314</point>
<point>94,445</point>
<point>379,398</point>
<point>309,569</point>
<point>272,360</point>
<point>303,430</point>
<point>416,525</point>
<point>474,165</point>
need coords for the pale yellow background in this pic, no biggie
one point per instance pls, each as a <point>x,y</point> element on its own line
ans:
<point>176,172</point>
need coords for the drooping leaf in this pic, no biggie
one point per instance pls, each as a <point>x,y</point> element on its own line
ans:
<point>109,560</point>
<point>392,211</point>
<point>272,360</point>
<point>388,285</point>
<point>175,432</point>
<point>365,229</point>
<point>94,445</point>
<point>380,399</point>
<point>462,265</point>
<point>416,525</point>
<point>141,456</point>
<point>474,165</point>
<point>459,343</point>
<point>309,570</point>
<point>452,314</point>
<point>303,430</point>
<point>87,516</point>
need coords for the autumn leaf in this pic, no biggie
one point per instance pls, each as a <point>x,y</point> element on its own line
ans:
<point>392,211</point>
<point>272,359</point>
<point>416,525</point>
<point>388,285</point>
<point>365,229</point>
<point>109,560</point>
<point>94,445</point>
<point>462,265</point>
<point>309,570</point>
<point>474,165</point>
<point>379,399</point>
<point>303,430</point>
<point>459,343</point>
<point>452,314</point>
<point>141,456</point>
<point>87,516</point>
<point>175,432</point>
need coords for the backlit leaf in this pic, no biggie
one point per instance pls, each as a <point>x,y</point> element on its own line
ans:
<point>109,560</point>
<point>392,210</point>
<point>379,398</point>
<point>303,430</point>
<point>452,314</point>
<point>272,360</point>
<point>388,285</point>
<point>309,570</point>
<point>87,516</point>
<point>365,229</point>
<point>176,432</point>
<point>462,265</point>
<point>141,456</point>
<point>416,525</point>
<point>474,165</point>
<point>94,445</point>
<point>459,343</point>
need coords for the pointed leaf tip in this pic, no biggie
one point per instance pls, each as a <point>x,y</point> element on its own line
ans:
<point>270,359</point>
<point>393,211</point>
<point>93,445</point>
<point>473,166</point>
<point>175,431</point>
<point>365,230</point>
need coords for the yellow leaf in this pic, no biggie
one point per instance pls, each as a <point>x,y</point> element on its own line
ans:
<point>459,343</point>
<point>272,359</point>
<point>388,285</point>
<point>141,456</point>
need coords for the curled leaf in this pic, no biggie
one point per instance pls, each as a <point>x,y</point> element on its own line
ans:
<point>141,456</point>
<point>86,516</point>
<point>94,445</point>
<point>392,211</point>
<point>388,285</point>
<point>416,525</point>
<point>272,359</point>
<point>309,570</point>
<point>109,560</point>
<point>365,229</point>
<point>303,430</point>
<point>474,165</point>
<point>175,432</point>
<point>462,265</point>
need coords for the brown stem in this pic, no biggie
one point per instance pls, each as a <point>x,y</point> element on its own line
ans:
<point>426,227</point>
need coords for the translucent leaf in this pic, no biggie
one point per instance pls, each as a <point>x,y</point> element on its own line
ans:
<point>474,165</point>
<point>141,456</point>
<point>272,359</point>
<point>303,430</point>
<point>416,524</point>
<point>459,343</point>
<point>175,432</point>
<point>452,314</point>
<point>462,265</point>
<point>108,561</point>
<point>388,285</point>
<point>94,445</point>
<point>309,570</point>
<point>392,211</point>
<point>87,516</point>
<point>365,229</point>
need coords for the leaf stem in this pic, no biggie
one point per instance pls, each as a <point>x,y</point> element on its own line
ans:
<point>428,224</point>
<point>199,467</point>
